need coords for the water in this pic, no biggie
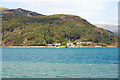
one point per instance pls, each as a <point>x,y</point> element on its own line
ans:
<point>60,63</point>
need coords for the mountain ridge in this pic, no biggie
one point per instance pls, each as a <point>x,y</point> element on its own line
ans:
<point>18,12</point>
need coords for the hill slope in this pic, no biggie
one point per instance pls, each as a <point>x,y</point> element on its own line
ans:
<point>38,30</point>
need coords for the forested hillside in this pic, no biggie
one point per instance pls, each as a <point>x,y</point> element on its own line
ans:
<point>25,28</point>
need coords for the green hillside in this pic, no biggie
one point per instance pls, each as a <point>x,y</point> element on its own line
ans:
<point>40,30</point>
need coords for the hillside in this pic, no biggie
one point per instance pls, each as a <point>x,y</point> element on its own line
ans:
<point>20,29</point>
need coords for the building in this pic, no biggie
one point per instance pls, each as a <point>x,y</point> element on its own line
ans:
<point>84,42</point>
<point>80,42</point>
<point>70,44</point>
<point>49,45</point>
<point>56,44</point>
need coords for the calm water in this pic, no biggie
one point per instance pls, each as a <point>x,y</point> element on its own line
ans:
<point>60,63</point>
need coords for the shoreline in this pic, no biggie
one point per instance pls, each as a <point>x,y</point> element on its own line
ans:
<point>57,47</point>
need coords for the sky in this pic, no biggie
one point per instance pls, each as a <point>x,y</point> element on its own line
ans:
<point>94,11</point>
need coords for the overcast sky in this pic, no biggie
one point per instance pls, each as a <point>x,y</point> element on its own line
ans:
<point>95,11</point>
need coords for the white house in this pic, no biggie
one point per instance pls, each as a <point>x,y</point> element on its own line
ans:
<point>70,44</point>
<point>84,42</point>
<point>80,42</point>
<point>49,45</point>
<point>56,44</point>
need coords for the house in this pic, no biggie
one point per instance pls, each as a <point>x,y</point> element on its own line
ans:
<point>84,42</point>
<point>49,45</point>
<point>56,44</point>
<point>70,44</point>
<point>80,42</point>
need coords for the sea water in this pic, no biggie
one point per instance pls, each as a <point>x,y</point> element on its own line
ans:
<point>60,63</point>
